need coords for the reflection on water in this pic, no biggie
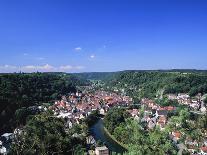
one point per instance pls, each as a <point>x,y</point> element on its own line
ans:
<point>99,134</point>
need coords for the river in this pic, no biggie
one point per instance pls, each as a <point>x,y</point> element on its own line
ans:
<point>99,134</point>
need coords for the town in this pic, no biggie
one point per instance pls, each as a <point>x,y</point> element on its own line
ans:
<point>77,106</point>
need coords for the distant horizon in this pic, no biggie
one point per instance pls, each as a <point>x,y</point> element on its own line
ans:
<point>104,35</point>
<point>176,69</point>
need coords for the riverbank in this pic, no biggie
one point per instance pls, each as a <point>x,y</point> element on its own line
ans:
<point>101,134</point>
<point>112,137</point>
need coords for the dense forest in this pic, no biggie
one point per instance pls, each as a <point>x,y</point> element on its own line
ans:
<point>25,90</point>
<point>96,75</point>
<point>45,134</point>
<point>155,83</point>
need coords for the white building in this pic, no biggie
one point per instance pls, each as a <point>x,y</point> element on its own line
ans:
<point>102,150</point>
<point>2,149</point>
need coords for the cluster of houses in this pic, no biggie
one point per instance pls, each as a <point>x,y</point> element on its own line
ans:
<point>75,107</point>
<point>192,146</point>
<point>79,105</point>
<point>194,103</point>
<point>155,115</point>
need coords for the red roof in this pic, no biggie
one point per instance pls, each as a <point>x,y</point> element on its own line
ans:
<point>176,134</point>
<point>204,149</point>
<point>169,108</point>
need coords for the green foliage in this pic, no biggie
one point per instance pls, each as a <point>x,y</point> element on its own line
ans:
<point>148,83</point>
<point>205,101</point>
<point>95,75</point>
<point>92,118</point>
<point>45,134</point>
<point>139,141</point>
<point>121,133</point>
<point>114,117</point>
<point>166,102</point>
<point>189,124</point>
<point>21,115</point>
<point>24,90</point>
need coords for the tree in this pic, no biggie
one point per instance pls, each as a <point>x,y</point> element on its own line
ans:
<point>45,134</point>
<point>21,115</point>
<point>114,117</point>
<point>24,90</point>
<point>149,142</point>
<point>205,101</point>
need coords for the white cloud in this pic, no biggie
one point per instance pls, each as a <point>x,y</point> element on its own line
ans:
<point>32,68</point>
<point>78,49</point>
<point>92,56</point>
<point>67,67</point>
<point>70,68</point>
<point>8,68</point>
<point>40,58</point>
<point>40,68</point>
<point>79,67</point>
<point>25,54</point>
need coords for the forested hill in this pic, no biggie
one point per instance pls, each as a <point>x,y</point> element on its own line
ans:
<point>149,83</point>
<point>23,90</point>
<point>95,75</point>
<point>112,75</point>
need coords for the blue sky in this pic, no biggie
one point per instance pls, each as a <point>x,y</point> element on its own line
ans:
<point>102,35</point>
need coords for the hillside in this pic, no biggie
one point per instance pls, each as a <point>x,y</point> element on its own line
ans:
<point>95,75</point>
<point>24,90</point>
<point>149,83</point>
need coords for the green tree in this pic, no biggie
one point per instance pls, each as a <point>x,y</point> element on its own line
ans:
<point>114,117</point>
<point>45,134</point>
<point>205,101</point>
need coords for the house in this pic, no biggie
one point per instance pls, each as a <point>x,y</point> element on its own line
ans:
<point>183,96</point>
<point>180,101</point>
<point>191,149</point>
<point>203,109</point>
<point>7,136</point>
<point>5,142</point>
<point>81,116</point>
<point>205,141</point>
<point>102,150</point>
<point>161,113</point>
<point>175,135</point>
<point>102,111</point>
<point>148,111</point>
<point>172,96</point>
<point>187,101</point>
<point>189,141</point>
<point>137,118</point>
<point>194,106</point>
<point>63,115</point>
<point>170,108</point>
<point>69,124</point>
<point>146,101</point>
<point>2,149</point>
<point>151,124</point>
<point>133,112</point>
<point>162,120</point>
<point>90,140</point>
<point>203,150</point>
